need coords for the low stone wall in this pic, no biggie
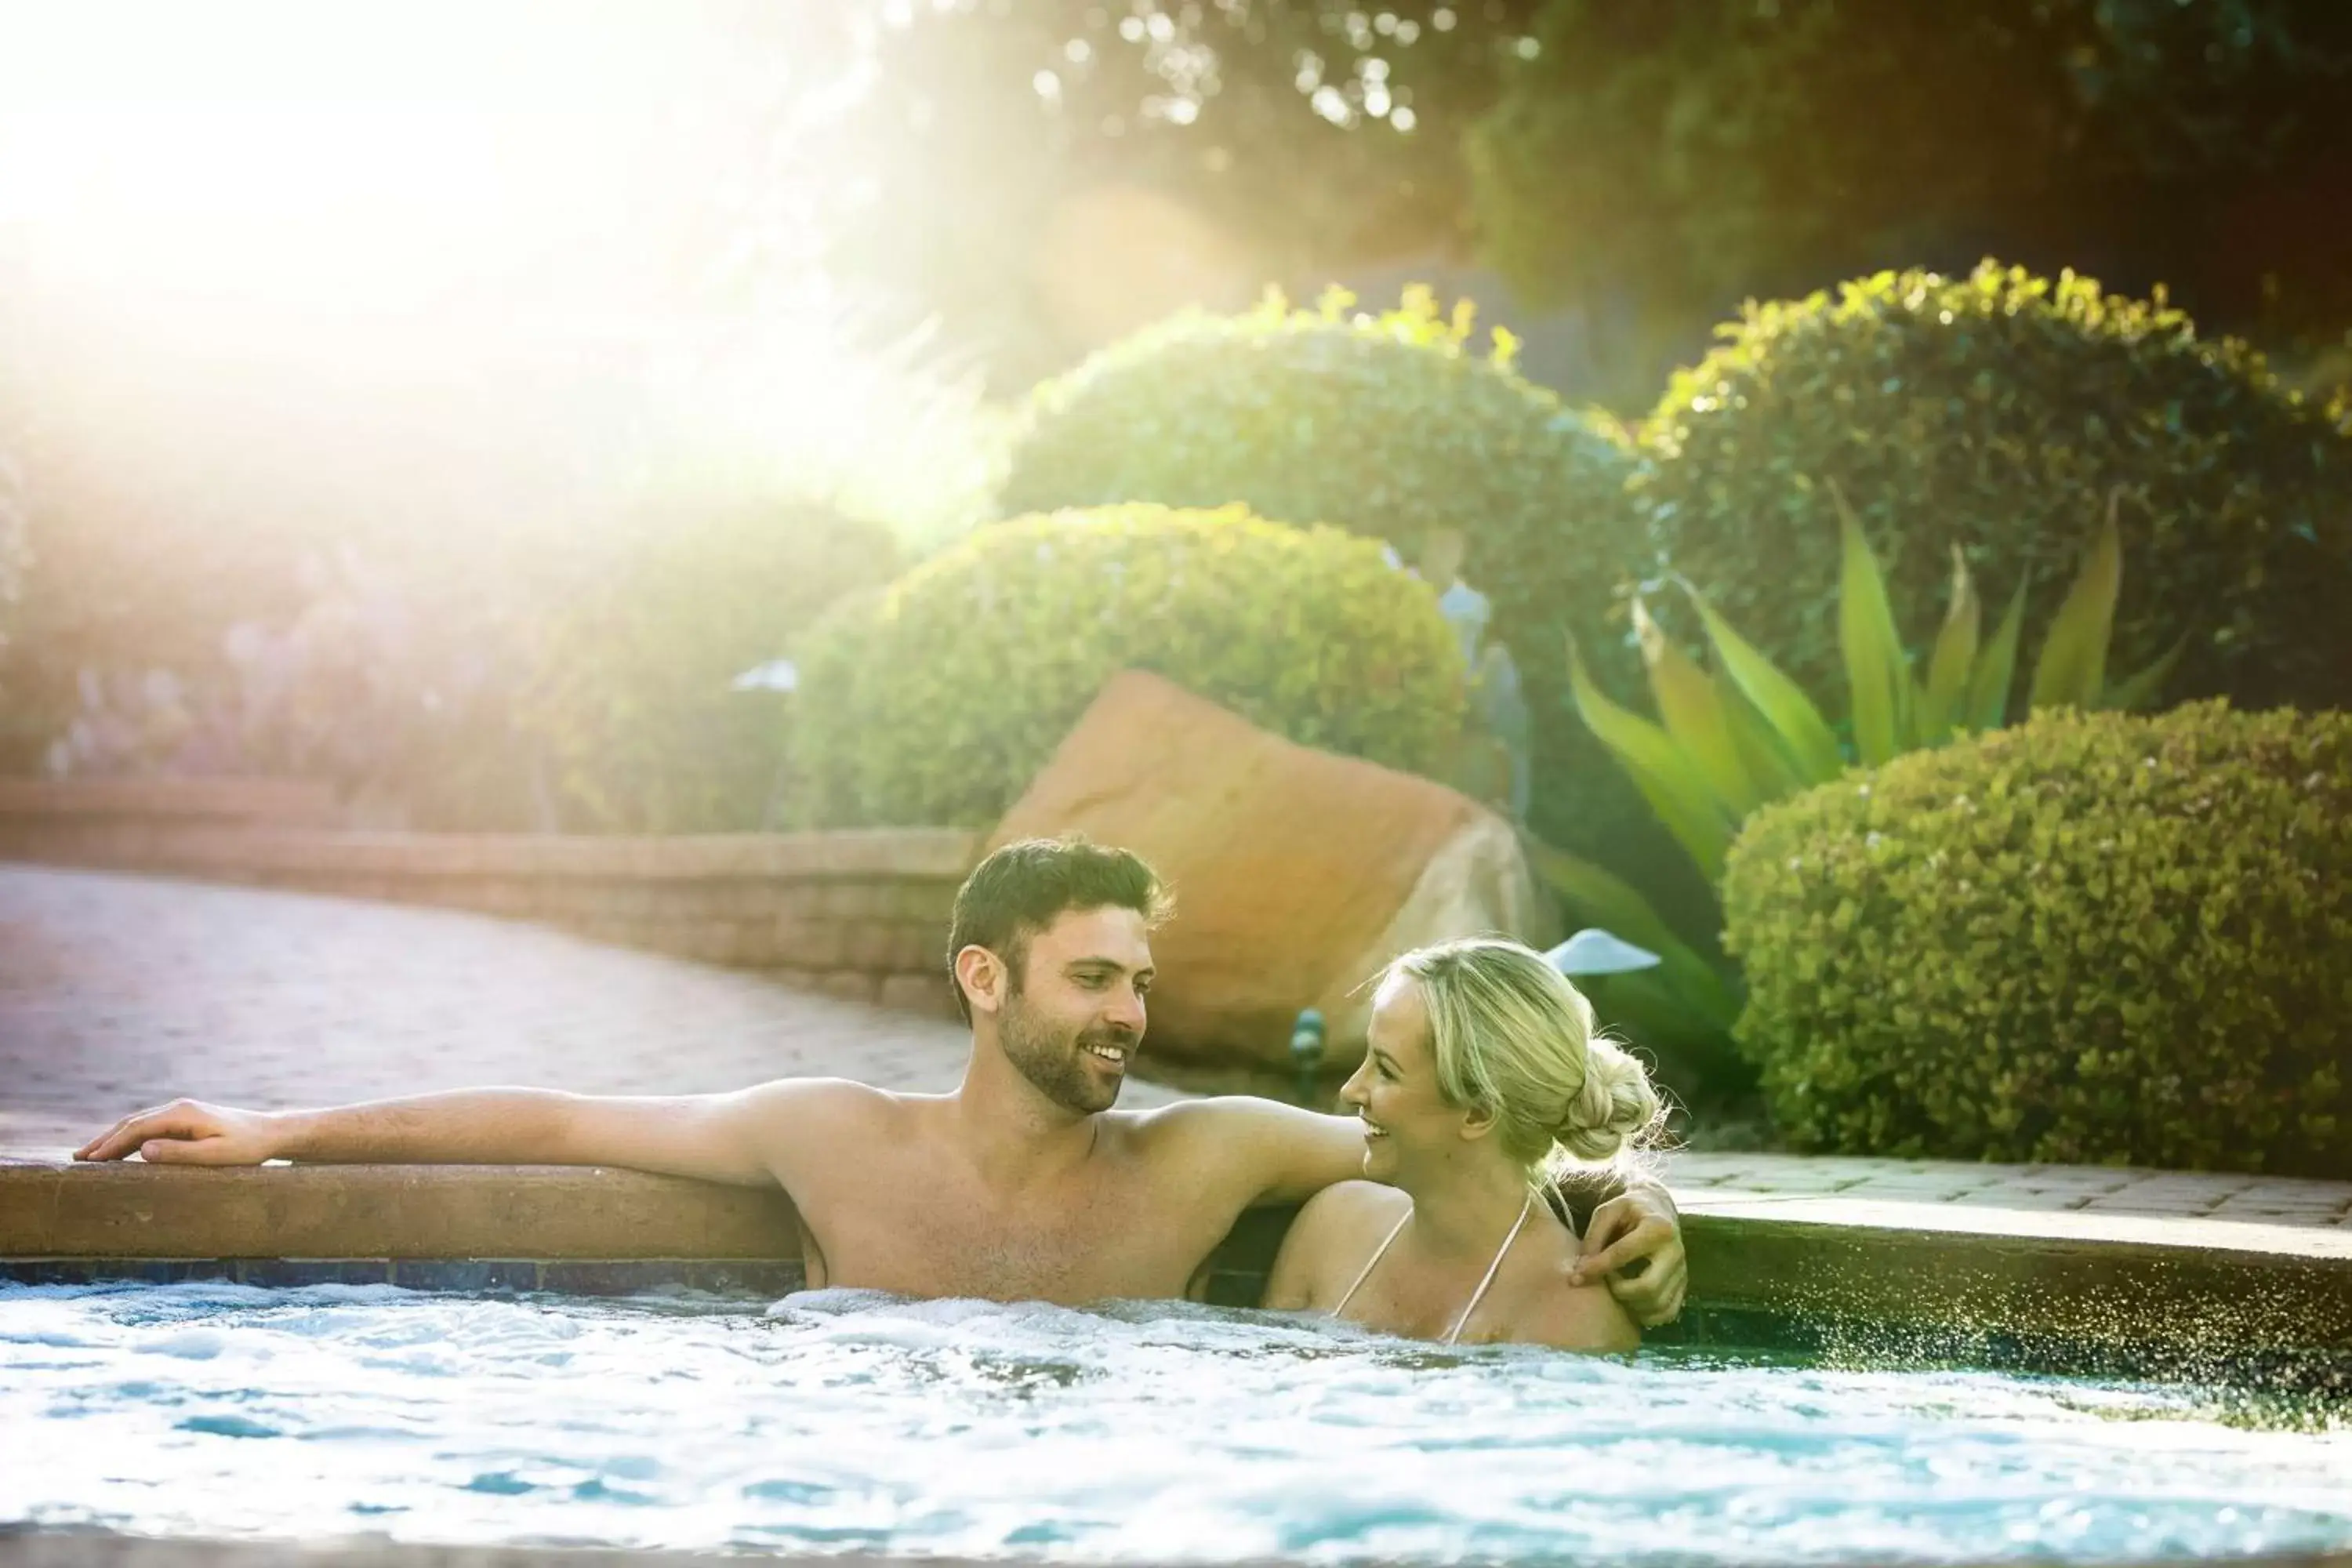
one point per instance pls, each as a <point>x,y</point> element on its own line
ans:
<point>585,1229</point>
<point>861,915</point>
<point>281,803</point>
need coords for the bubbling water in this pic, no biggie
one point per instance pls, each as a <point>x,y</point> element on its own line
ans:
<point>837,1420</point>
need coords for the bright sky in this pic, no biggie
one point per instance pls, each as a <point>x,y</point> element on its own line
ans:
<point>325,246</point>
<point>311,152</point>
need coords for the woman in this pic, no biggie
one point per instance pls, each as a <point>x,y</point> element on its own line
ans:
<point>1482,1074</point>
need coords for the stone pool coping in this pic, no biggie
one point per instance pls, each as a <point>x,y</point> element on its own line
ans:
<point>2065,1289</point>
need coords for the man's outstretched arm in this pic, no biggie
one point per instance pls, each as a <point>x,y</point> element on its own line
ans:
<point>1288,1155</point>
<point>714,1137</point>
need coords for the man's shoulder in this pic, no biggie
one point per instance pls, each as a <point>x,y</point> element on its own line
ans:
<point>828,1106</point>
<point>1213,1124</point>
<point>1265,1150</point>
<point>1216,1115</point>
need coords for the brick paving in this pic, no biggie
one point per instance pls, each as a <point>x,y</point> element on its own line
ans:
<point>117,992</point>
<point>1793,1181</point>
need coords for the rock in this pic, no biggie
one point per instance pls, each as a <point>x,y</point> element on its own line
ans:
<point>1297,873</point>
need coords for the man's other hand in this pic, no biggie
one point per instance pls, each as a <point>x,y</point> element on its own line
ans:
<point>1638,1224</point>
<point>188,1133</point>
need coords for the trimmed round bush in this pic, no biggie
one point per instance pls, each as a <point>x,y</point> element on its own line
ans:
<point>1391,427</point>
<point>2001,412</point>
<point>2093,938</point>
<point>937,700</point>
<point>631,698</point>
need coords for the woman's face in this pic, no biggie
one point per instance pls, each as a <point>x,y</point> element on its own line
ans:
<point>1406,1120</point>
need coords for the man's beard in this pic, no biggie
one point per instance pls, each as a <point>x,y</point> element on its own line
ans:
<point>1053,1060</point>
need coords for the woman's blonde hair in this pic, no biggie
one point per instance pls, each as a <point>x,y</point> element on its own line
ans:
<point>1511,1036</point>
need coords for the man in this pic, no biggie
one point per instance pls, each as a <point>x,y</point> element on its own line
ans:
<point>1024,1183</point>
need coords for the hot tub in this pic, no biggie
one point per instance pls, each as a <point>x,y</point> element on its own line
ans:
<point>599,1359</point>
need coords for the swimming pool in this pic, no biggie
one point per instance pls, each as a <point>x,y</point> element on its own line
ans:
<point>834,1421</point>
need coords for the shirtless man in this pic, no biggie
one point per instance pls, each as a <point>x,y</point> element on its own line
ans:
<point>1024,1183</point>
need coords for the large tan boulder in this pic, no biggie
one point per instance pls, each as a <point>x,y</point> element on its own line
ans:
<point>1297,873</point>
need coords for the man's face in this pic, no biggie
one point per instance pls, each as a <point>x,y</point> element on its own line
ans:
<point>1072,1016</point>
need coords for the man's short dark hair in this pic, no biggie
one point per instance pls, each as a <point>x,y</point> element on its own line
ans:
<point>1022,887</point>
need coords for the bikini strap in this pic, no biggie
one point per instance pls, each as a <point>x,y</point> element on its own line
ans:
<point>1373,1262</point>
<point>1480,1294</point>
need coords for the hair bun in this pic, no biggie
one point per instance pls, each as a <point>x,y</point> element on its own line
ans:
<point>1615,1107</point>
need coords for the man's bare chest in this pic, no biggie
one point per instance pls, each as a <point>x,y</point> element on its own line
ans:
<point>916,1228</point>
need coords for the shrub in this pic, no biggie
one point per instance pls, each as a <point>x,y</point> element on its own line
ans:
<point>1391,427</point>
<point>399,698</point>
<point>2001,412</point>
<point>2089,938</point>
<point>1723,746</point>
<point>937,700</point>
<point>631,696</point>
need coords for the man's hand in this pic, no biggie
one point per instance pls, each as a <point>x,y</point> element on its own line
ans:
<point>188,1133</point>
<point>1638,1223</point>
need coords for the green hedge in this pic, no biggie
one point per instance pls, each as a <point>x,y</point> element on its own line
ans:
<point>2091,938</point>
<point>2001,412</point>
<point>937,700</point>
<point>629,698</point>
<point>1392,427</point>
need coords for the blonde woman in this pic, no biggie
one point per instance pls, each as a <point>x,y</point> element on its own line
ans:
<point>1482,1078</point>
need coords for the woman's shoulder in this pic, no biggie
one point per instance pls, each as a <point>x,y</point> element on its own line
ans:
<point>1554,1311</point>
<point>1348,1206</point>
<point>1335,1230</point>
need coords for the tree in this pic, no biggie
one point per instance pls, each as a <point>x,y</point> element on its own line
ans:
<point>1322,134</point>
<point>1686,153</point>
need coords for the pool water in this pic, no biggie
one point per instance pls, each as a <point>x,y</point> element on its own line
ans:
<point>837,1421</point>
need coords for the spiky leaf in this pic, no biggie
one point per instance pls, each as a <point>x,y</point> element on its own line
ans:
<point>1810,743</point>
<point>1665,777</point>
<point>1775,773</point>
<point>2073,668</point>
<point>1692,711</point>
<point>2141,688</point>
<point>1877,674</point>
<point>1942,708</point>
<point>1605,899</point>
<point>1988,707</point>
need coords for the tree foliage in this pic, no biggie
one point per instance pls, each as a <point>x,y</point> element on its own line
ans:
<point>1695,151</point>
<point>1660,160</point>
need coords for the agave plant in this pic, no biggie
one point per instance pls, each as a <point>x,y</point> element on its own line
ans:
<point>1726,743</point>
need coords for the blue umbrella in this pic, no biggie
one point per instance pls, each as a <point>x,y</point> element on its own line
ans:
<point>776,675</point>
<point>1595,951</point>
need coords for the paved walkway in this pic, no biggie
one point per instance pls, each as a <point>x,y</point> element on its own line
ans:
<point>118,992</point>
